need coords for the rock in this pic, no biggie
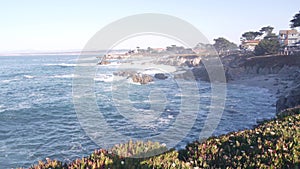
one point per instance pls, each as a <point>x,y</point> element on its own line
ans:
<point>103,62</point>
<point>190,60</point>
<point>290,100</point>
<point>288,112</point>
<point>186,75</point>
<point>136,77</point>
<point>200,73</point>
<point>160,76</point>
<point>284,69</point>
<point>141,78</point>
<point>127,73</point>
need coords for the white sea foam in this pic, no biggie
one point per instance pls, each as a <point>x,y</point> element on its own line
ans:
<point>170,117</point>
<point>20,106</point>
<point>8,80</point>
<point>152,71</point>
<point>64,76</point>
<point>28,76</point>
<point>86,59</point>
<point>61,64</point>
<point>115,63</point>
<point>107,89</point>
<point>164,120</point>
<point>110,64</point>
<point>2,108</point>
<point>104,78</point>
<point>131,82</point>
<point>24,105</point>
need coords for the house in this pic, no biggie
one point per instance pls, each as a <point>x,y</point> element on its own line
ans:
<point>249,45</point>
<point>289,37</point>
<point>159,50</point>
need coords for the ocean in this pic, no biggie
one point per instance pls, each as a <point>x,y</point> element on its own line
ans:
<point>38,118</point>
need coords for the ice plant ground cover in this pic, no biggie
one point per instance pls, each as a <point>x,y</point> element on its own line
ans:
<point>272,144</point>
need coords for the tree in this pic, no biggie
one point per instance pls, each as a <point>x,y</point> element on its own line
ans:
<point>150,50</point>
<point>267,29</point>
<point>251,35</point>
<point>296,20</point>
<point>222,44</point>
<point>269,45</point>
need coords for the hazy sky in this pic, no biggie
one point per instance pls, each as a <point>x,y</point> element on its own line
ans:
<point>57,25</point>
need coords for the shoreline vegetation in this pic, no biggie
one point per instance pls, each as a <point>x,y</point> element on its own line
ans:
<point>272,144</point>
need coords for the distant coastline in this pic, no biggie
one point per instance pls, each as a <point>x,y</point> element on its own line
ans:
<point>56,52</point>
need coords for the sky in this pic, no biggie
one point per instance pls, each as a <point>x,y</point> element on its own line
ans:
<point>68,25</point>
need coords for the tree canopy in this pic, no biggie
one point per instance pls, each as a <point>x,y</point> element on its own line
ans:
<point>295,22</point>
<point>269,45</point>
<point>221,44</point>
<point>267,29</point>
<point>251,35</point>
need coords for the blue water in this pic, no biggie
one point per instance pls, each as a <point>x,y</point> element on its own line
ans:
<point>38,119</point>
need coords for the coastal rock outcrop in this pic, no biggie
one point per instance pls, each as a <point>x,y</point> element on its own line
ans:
<point>126,73</point>
<point>290,100</point>
<point>103,62</point>
<point>292,97</point>
<point>135,76</point>
<point>238,66</point>
<point>142,78</point>
<point>284,69</point>
<point>160,76</point>
<point>189,60</point>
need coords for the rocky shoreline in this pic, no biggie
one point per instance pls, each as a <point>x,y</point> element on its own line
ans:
<point>279,74</point>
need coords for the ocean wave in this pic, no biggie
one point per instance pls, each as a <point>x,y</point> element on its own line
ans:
<point>2,108</point>
<point>6,80</point>
<point>130,81</point>
<point>61,64</point>
<point>64,76</point>
<point>152,71</point>
<point>107,89</point>
<point>20,106</point>
<point>104,78</point>
<point>111,64</point>
<point>9,80</point>
<point>164,120</point>
<point>28,76</point>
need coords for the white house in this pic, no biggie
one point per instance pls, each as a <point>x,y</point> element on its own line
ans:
<point>289,37</point>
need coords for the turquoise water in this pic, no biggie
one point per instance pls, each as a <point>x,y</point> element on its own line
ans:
<point>38,119</point>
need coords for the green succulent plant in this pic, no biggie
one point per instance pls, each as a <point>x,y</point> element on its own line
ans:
<point>272,144</point>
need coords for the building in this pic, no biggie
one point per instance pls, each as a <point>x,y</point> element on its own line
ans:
<point>159,50</point>
<point>249,45</point>
<point>289,37</point>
